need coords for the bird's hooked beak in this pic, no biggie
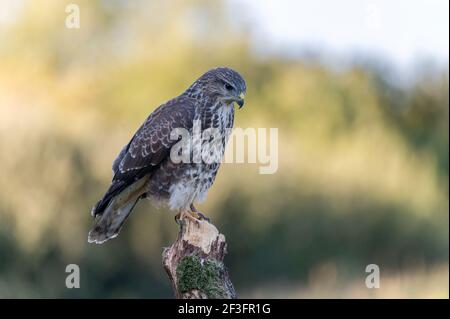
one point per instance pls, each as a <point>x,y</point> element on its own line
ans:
<point>240,100</point>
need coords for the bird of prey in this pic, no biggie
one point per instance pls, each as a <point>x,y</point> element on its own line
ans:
<point>144,167</point>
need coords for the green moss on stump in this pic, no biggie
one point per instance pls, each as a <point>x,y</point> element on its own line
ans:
<point>205,276</point>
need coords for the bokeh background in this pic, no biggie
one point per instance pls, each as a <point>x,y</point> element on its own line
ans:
<point>363,143</point>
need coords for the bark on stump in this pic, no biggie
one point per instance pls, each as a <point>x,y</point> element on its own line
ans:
<point>194,262</point>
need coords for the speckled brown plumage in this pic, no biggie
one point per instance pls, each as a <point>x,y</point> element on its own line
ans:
<point>144,168</point>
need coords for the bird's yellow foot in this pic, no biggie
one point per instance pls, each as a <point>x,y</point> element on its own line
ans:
<point>198,215</point>
<point>186,214</point>
<point>203,217</point>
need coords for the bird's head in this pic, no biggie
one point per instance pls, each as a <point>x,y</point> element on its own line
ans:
<point>224,84</point>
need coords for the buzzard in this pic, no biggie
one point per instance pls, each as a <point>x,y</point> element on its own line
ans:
<point>145,168</point>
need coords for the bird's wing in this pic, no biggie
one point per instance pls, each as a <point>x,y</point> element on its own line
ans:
<point>115,165</point>
<point>149,146</point>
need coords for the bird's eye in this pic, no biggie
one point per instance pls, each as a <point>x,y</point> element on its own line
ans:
<point>229,87</point>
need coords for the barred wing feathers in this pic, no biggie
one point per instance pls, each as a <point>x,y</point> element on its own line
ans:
<point>149,146</point>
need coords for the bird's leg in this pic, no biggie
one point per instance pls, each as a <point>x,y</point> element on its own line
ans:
<point>197,214</point>
<point>184,213</point>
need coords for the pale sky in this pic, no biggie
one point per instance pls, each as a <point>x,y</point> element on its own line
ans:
<point>400,30</point>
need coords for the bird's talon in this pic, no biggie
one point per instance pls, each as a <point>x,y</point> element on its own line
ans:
<point>195,215</point>
<point>186,214</point>
<point>198,215</point>
<point>203,217</point>
<point>177,218</point>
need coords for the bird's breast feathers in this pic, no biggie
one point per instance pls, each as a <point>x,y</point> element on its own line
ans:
<point>196,179</point>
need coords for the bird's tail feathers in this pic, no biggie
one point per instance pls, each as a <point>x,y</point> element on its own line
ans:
<point>108,225</point>
<point>115,188</point>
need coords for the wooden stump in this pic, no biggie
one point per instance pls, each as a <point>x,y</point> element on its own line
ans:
<point>194,262</point>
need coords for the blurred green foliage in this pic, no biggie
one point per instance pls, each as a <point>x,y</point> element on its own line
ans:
<point>363,161</point>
